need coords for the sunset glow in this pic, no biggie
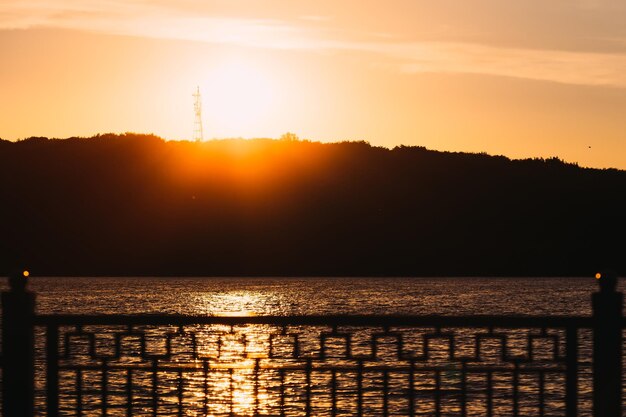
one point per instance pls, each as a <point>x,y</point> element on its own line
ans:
<point>312,208</point>
<point>523,79</point>
<point>239,95</point>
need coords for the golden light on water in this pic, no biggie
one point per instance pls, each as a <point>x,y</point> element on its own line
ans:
<point>241,351</point>
<point>246,368</point>
<point>239,303</point>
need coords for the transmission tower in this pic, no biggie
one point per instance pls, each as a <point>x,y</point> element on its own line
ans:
<point>198,135</point>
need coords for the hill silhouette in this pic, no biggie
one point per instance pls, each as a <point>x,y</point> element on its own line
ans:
<point>138,205</point>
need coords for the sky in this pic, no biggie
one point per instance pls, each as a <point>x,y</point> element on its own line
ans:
<point>524,78</point>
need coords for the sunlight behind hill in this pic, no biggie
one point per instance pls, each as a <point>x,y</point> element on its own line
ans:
<point>240,94</point>
<point>136,205</point>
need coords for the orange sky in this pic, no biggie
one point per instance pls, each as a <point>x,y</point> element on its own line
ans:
<point>520,78</point>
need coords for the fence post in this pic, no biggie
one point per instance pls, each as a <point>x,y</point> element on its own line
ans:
<point>607,347</point>
<point>18,350</point>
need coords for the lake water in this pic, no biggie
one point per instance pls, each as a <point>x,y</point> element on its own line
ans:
<point>286,296</point>
<point>217,370</point>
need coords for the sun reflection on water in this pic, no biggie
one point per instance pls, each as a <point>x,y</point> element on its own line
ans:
<point>238,303</point>
<point>237,383</point>
<point>273,369</point>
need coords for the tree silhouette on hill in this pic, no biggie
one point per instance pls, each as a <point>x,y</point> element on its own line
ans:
<point>138,205</point>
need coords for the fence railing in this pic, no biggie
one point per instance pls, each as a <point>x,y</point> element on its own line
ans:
<point>311,365</point>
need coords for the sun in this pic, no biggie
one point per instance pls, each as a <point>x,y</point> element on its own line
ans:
<point>237,96</point>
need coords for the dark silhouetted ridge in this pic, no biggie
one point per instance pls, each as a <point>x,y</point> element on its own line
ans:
<point>138,205</point>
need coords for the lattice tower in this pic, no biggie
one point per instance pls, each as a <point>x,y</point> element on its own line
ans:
<point>198,134</point>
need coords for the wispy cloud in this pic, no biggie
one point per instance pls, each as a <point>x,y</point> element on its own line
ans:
<point>316,18</point>
<point>156,20</point>
<point>584,68</point>
<point>145,19</point>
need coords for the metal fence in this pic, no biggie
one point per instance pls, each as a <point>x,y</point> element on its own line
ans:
<point>312,365</point>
